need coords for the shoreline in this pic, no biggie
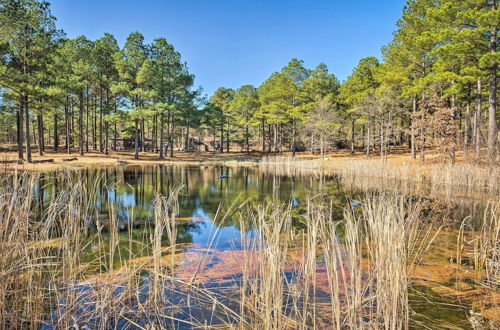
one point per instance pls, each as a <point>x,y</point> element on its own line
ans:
<point>59,160</point>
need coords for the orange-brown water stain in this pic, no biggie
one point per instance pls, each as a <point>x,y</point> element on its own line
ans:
<point>199,265</point>
<point>439,272</point>
<point>207,265</point>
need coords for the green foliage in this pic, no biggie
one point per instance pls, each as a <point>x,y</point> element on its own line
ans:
<point>245,104</point>
<point>221,105</point>
<point>441,48</point>
<point>276,96</point>
<point>27,40</point>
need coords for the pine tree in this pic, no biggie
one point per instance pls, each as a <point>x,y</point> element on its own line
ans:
<point>27,39</point>
<point>245,104</point>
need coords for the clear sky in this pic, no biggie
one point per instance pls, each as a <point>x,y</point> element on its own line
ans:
<point>233,42</point>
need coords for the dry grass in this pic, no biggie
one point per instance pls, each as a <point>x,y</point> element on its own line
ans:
<point>458,182</point>
<point>467,176</point>
<point>483,247</point>
<point>367,259</point>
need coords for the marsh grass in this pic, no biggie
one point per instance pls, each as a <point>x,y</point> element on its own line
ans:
<point>376,173</point>
<point>467,176</point>
<point>482,247</point>
<point>367,259</point>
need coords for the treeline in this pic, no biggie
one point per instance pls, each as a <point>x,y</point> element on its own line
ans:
<point>434,89</point>
<point>82,94</point>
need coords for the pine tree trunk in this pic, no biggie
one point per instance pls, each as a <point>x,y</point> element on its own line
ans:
<point>186,143</point>
<point>167,140</point>
<point>294,130</point>
<point>352,137</point>
<point>269,138</point>
<point>227,138</point>
<point>80,123</point>
<point>136,144</point>
<point>492,99</point>
<point>94,126</point>
<point>171,136</point>
<point>162,140</point>
<point>263,136</point>
<point>368,136</point>
<point>222,137</point>
<point>214,137</point>
<point>101,113</point>
<point>413,147</point>
<point>246,138</point>
<point>35,135</point>
<point>27,126</point>
<point>468,128</point>
<point>40,134</point>
<point>106,137</point>
<point>155,134</point>
<point>43,133</point>
<point>280,137</point>
<point>68,128</point>
<point>72,118</point>
<point>275,138</point>
<point>115,128</point>
<point>20,136</point>
<point>478,120</point>
<point>56,133</point>
<point>142,135</point>
<point>87,120</point>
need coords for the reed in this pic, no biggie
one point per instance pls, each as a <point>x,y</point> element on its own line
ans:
<point>490,242</point>
<point>372,291</point>
<point>467,176</point>
<point>483,246</point>
<point>368,260</point>
<point>457,182</point>
<point>368,257</point>
<point>289,166</point>
<point>264,290</point>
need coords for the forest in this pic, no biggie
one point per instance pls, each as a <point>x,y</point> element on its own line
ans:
<point>434,88</point>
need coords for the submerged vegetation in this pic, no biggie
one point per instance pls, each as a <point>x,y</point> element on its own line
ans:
<point>76,268</point>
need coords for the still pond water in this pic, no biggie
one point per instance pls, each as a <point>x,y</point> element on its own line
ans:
<point>208,193</point>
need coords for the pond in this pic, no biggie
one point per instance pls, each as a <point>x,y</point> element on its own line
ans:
<point>120,210</point>
<point>206,191</point>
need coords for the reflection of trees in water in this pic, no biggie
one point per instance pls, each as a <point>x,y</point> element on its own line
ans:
<point>115,185</point>
<point>201,183</point>
<point>131,190</point>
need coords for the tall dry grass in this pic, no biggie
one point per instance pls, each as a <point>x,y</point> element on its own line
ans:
<point>289,166</point>
<point>467,176</point>
<point>367,259</point>
<point>481,248</point>
<point>369,270</point>
<point>458,182</point>
<point>43,280</point>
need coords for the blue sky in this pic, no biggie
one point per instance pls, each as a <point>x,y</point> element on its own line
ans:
<point>234,42</point>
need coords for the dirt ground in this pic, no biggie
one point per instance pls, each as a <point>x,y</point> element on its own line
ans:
<point>52,160</point>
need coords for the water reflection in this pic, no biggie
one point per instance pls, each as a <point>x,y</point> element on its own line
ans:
<point>209,192</point>
<point>130,191</point>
